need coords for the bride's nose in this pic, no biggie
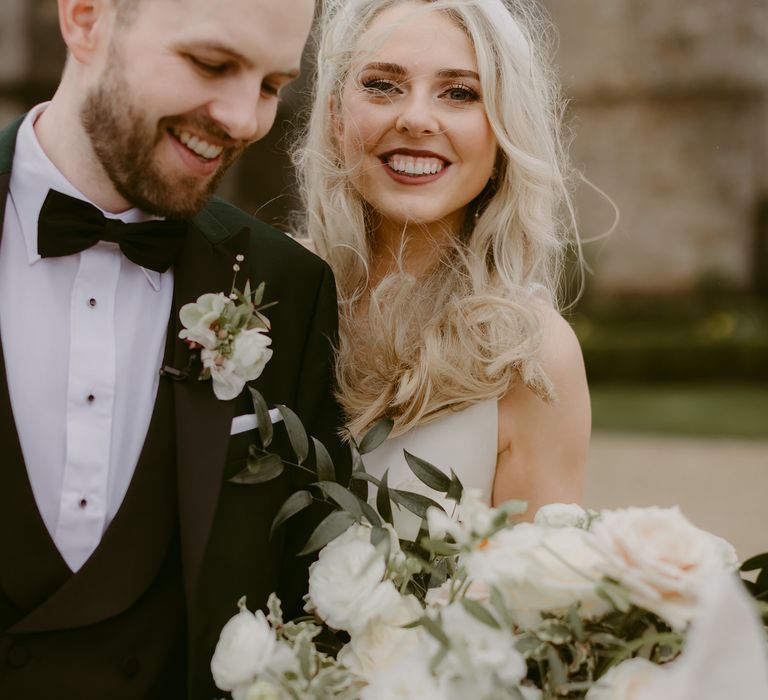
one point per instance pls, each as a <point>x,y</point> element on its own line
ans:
<point>417,117</point>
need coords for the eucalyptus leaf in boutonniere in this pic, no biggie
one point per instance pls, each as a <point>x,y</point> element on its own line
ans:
<point>231,334</point>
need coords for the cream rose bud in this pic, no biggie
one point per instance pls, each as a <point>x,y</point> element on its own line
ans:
<point>561,515</point>
<point>661,558</point>
<point>198,317</point>
<point>244,650</point>
<point>346,583</point>
<point>627,681</point>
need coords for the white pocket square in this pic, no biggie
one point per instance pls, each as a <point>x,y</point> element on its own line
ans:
<point>248,421</point>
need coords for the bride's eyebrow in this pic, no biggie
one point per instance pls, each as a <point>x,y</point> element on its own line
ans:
<point>391,68</point>
<point>457,73</point>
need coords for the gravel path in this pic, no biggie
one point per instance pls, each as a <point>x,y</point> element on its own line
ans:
<point>720,484</point>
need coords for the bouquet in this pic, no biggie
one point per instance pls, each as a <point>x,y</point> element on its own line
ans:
<point>577,604</point>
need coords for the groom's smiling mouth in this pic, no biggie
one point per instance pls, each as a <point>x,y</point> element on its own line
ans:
<point>200,147</point>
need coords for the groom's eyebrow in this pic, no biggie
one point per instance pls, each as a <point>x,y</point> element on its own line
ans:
<point>231,53</point>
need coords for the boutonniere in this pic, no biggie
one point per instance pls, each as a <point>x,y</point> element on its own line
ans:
<point>231,334</point>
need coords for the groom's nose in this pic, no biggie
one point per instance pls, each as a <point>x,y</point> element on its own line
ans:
<point>243,111</point>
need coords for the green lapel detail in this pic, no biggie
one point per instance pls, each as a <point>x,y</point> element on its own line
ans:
<point>8,144</point>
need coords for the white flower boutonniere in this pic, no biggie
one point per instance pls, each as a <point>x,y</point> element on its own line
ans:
<point>231,334</point>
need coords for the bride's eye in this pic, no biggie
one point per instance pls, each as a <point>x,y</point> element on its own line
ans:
<point>461,93</point>
<point>378,86</point>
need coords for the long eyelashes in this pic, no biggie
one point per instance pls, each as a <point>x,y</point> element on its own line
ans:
<point>456,92</point>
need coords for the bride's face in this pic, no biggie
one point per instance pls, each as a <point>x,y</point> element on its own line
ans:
<point>412,125</point>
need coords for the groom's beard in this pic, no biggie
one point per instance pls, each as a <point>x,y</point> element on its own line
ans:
<point>126,144</point>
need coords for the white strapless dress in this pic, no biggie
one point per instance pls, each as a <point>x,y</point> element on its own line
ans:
<point>465,441</point>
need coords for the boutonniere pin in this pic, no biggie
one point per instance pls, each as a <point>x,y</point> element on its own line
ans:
<point>230,331</point>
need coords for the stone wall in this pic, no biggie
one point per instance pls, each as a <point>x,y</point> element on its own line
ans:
<point>669,104</point>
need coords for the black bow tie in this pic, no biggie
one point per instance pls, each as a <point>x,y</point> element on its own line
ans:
<point>67,226</point>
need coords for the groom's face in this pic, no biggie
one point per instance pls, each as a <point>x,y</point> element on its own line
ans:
<point>184,87</point>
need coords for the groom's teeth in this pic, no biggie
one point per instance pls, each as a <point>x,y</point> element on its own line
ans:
<point>197,145</point>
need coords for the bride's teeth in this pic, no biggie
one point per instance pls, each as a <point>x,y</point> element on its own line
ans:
<point>415,166</point>
<point>196,145</point>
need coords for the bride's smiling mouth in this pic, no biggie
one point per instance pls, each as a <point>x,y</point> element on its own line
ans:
<point>414,167</point>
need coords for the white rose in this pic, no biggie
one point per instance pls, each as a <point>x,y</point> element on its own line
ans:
<point>661,558</point>
<point>346,582</point>
<point>198,317</point>
<point>561,515</point>
<point>626,681</point>
<point>411,681</point>
<point>384,642</point>
<point>244,649</point>
<point>540,569</point>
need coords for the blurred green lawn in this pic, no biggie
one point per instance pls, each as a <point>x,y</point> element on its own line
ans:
<point>717,409</point>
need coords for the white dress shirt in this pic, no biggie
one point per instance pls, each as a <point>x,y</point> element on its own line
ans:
<point>83,338</point>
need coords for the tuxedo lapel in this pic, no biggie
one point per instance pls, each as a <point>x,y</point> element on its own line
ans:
<point>203,422</point>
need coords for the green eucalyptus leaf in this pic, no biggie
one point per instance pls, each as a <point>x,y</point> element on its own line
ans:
<point>263,421</point>
<point>296,433</point>
<point>427,473</point>
<point>376,434</point>
<point>328,529</point>
<point>241,316</point>
<point>604,639</point>
<point>370,513</point>
<point>381,540</point>
<point>432,627</point>
<point>258,294</point>
<point>364,476</point>
<point>259,470</point>
<point>575,621</point>
<point>614,594</point>
<point>323,461</point>
<point>342,496</point>
<point>295,503</point>
<point>383,499</point>
<point>480,612</point>
<point>414,502</point>
<point>357,460</point>
<point>499,606</point>
<point>759,561</point>
<point>455,488</point>
<point>557,672</point>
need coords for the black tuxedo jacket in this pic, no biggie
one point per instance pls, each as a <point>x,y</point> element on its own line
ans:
<point>223,528</point>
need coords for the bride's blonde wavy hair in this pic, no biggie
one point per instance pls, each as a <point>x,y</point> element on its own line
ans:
<point>471,327</point>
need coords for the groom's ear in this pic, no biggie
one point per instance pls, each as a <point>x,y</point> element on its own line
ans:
<point>83,26</point>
